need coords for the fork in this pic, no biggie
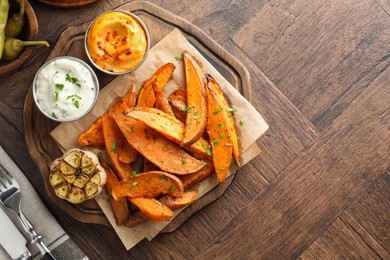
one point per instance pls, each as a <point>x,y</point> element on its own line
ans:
<point>11,197</point>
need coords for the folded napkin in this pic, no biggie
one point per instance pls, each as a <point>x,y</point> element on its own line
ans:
<point>39,216</point>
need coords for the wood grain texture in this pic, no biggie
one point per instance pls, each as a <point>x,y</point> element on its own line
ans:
<point>320,74</point>
<point>338,68</point>
<point>362,231</point>
<point>315,188</point>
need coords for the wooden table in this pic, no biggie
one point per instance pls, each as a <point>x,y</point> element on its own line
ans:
<point>320,77</point>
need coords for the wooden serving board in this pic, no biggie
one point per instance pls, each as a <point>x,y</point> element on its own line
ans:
<point>160,22</point>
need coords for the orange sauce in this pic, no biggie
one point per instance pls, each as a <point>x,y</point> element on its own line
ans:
<point>116,42</point>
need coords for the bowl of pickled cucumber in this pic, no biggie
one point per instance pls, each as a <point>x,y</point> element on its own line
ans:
<point>18,34</point>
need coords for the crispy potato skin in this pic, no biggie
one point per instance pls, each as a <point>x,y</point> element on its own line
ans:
<point>112,139</point>
<point>161,76</point>
<point>152,208</point>
<point>119,207</point>
<point>93,136</point>
<point>149,185</point>
<point>196,117</point>
<point>219,137</point>
<point>162,102</point>
<point>170,127</point>
<point>163,153</point>
<point>218,93</point>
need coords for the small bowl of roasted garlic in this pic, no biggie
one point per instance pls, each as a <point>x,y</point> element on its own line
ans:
<point>117,42</point>
<point>65,89</point>
<point>19,34</point>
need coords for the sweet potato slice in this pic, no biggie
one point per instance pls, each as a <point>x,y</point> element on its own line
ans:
<point>149,185</point>
<point>112,138</point>
<point>162,102</point>
<point>93,136</point>
<point>221,145</point>
<point>193,178</point>
<point>179,109</point>
<point>177,202</point>
<point>196,118</point>
<point>171,202</point>
<point>149,166</point>
<point>146,94</point>
<point>163,153</point>
<point>179,94</point>
<point>218,93</point>
<point>170,127</point>
<point>130,99</point>
<point>152,208</point>
<point>119,207</point>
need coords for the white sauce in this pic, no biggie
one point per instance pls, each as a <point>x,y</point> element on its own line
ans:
<point>65,89</point>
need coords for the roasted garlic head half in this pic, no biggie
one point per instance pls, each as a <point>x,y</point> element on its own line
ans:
<point>77,176</point>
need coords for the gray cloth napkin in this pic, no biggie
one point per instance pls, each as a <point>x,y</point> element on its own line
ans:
<point>40,217</point>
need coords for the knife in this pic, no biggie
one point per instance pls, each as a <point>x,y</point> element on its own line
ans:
<point>11,239</point>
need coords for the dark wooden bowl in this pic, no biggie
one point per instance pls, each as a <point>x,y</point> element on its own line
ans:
<point>30,33</point>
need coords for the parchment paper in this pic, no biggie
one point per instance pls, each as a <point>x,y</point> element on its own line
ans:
<point>163,52</point>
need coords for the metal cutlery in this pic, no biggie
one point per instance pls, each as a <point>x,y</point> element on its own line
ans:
<point>11,197</point>
<point>13,242</point>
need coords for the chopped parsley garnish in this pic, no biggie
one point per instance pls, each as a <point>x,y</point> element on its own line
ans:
<point>53,115</point>
<point>75,100</point>
<point>134,173</point>
<point>208,150</point>
<point>220,125</point>
<point>114,146</point>
<point>166,146</point>
<point>241,121</point>
<point>196,116</point>
<point>189,122</point>
<point>178,58</point>
<point>221,135</point>
<point>217,111</point>
<point>59,88</point>
<point>172,188</point>
<point>233,111</point>
<point>183,160</point>
<point>215,143</point>
<point>165,177</point>
<point>133,184</point>
<point>187,109</point>
<point>72,80</point>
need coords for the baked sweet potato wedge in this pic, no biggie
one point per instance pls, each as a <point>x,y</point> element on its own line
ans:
<point>119,207</point>
<point>149,185</point>
<point>162,102</point>
<point>221,145</point>
<point>161,76</point>
<point>93,136</point>
<point>179,109</point>
<point>171,202</point>
<point>218,93</point>
<point>163,153</point>
<point>196,118</point>
<point>193,178</point>
<point>112,139</point>
<point>152,208</point>
<point>170,127</point>
<point>130,99</point>
<point>178,202</point>
<point>178,94</point>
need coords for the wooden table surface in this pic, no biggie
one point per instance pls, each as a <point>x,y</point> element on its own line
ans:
<point>321,79</point>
